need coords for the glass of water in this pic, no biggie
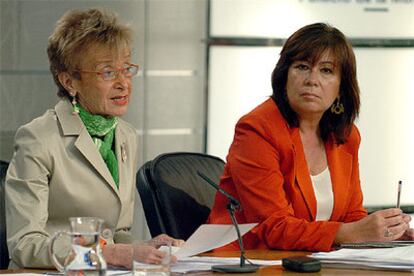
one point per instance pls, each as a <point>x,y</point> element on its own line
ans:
<point>161,269</point>
<point>85,257</point>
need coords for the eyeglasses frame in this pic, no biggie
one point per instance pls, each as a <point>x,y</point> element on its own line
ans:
<point>117,71</point>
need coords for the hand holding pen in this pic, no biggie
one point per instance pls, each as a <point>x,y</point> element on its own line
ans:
<point>409,233</point>
<point>383,225</point>
<point>388,232</point>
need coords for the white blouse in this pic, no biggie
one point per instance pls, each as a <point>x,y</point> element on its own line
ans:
<point>322,187</point>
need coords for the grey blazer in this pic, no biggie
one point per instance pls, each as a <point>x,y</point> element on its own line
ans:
<point>57,172</point>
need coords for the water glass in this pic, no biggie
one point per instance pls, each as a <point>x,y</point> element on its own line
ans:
<point>85,257</point>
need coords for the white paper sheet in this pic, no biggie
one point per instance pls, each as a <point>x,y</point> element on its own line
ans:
<point>397,258</point>
<point>210,236</point>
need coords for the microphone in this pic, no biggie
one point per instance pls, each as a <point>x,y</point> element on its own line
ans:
<point>233,205</point>
<point>233,201</point>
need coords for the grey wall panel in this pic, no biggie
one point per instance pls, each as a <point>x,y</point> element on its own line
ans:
<point>29,24</point>
<point>24,97</point>
<point>175,102</point>
<point>136,105</point>
<point>157,144</point>
<point>174,76</point>
<point>176,29</point>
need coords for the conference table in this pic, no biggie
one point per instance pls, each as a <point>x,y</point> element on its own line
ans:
<point>268,270</point>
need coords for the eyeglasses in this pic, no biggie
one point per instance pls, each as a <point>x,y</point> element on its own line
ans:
<point>128,71</point>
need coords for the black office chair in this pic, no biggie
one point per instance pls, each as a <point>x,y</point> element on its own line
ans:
<point>176,200</point>
<point>4,254</point>
<point>149,201</point>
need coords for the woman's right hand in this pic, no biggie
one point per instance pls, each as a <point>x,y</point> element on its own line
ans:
<point>148,254</point>
<point>121,255</point>
<point>383,225</point>
<point>164,239</point>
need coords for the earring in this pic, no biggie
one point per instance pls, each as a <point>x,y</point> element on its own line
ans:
<point>337,108</point>
<point>75,109</point>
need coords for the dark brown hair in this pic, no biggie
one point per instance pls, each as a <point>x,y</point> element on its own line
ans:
<point>309,43</point>
<point>77,30</point>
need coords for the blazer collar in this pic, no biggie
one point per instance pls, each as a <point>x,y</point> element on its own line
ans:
<point>72,125</point>
<point>340,167</point>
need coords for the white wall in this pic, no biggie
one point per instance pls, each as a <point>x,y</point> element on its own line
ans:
<point>386,119</point>
<point>239,79</point>
<point>280,18</point>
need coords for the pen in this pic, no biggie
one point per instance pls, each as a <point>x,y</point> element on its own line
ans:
<point>399,193</point>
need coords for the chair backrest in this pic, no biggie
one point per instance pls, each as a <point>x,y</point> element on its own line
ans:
<point>149,201</point>
<point>4,254</point>
<point>182,198</point>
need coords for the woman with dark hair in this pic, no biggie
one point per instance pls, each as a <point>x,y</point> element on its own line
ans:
<point>293,163</point>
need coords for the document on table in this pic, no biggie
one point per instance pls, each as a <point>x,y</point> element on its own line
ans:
<point>199,264</point>
<point>210,236</point>
<point>397,258</point>
<point>388,244</point>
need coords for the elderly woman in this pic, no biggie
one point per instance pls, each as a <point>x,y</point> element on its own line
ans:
<point>80,158</point>
<point>293,163</point>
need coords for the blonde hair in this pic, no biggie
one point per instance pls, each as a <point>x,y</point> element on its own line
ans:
<point>78,30</point>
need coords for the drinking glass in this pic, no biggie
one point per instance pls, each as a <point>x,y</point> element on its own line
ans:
<point>85,257</point>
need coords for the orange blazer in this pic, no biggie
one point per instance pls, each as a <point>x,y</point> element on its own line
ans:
<point>267,172</point>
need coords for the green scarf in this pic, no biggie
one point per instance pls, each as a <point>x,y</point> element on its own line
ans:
<point>102,131</point>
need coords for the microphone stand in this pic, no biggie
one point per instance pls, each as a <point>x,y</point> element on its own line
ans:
<point>232,206</point>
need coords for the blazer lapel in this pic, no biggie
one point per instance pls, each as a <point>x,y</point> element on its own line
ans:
<point>302,174</point>
<point>72,125</point>
<point>340,166</point>
<point>86,146</point>
<point>121,155</point>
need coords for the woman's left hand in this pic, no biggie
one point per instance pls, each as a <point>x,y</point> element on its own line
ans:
<point>409,233</point>
<point>164,239</point>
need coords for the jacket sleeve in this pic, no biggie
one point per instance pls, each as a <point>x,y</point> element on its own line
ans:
<point>266,193</point>
<point>27,194</point>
